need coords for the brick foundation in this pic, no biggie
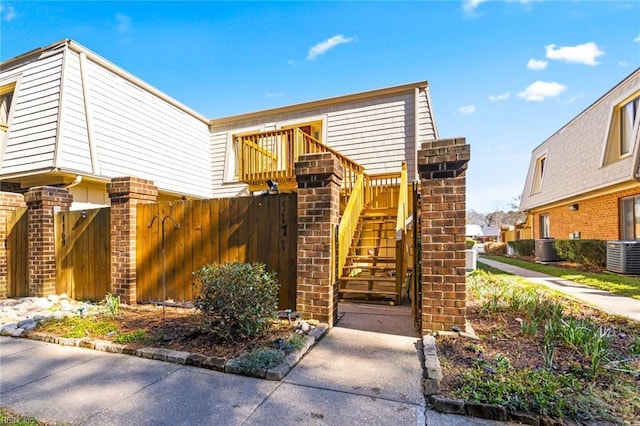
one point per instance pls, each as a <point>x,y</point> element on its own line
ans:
<point>43,203</point>
<point>319,177</point>
<point>442,165</point>
<point>9,202</point>
<point>125,194</point>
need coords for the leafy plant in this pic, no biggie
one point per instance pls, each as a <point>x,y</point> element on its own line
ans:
<point>237,300</point>
<point>261,358</point>
<point>529,328</point>
<point>79,327</point>
<point>293,343</point>
<point>136,336</point>
<point>112,304</point>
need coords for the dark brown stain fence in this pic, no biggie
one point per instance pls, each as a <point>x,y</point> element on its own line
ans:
<point>245,229</point>
<point>83,258</point>
<point>18,253</point>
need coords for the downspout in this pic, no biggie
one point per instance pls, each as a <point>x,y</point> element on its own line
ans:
<point>416,129</point>
<point>84,81</point>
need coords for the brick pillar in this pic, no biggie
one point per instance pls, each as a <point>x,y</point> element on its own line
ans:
<point>8,203</point>
<point>125,193</point>
<point>442,165</point>
<point>43,203</point>
<point>319,178</point>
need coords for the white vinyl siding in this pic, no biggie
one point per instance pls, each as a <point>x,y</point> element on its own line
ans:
<point>574,154</point>
<point>30,144</point>
<point>377,133</point>
<point>135,133</point>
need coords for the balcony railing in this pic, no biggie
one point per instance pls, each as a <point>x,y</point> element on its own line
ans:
<point>272,155</point>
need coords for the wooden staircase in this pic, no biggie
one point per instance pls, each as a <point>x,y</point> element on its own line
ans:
<point>370,270</point>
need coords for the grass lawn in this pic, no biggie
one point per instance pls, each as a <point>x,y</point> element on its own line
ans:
<point>621,285</point>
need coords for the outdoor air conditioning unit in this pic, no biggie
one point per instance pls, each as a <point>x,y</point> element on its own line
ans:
<point>623,257</point>
<point>544,250</point>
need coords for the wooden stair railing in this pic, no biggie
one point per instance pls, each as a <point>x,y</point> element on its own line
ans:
<point>271,155</point>
<point>373,264</point>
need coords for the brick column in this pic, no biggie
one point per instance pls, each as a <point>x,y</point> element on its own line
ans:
<point>43,203</point>
<point>125,194</point>
<point>8,203</point>
<point>442,165</point>
<point>319,178</point>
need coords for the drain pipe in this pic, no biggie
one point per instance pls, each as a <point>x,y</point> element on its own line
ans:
<point>74,182</point>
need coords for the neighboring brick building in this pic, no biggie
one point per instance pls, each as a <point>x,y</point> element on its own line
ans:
<point>584,181</point>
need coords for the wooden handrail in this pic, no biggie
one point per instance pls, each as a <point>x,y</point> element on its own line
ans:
<point>272,155</point>
<point>349,220</point>
<point>403,199</point>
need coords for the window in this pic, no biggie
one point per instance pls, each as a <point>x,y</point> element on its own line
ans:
<point>538,174</point>
<point>544,226</point>
<point>630,218</point>
<point>628,115</point>
<point>6,98</point>
<point>623,129</point>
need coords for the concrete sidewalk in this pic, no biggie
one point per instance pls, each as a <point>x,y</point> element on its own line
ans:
<point>607,302</point>
<point>350,377</point>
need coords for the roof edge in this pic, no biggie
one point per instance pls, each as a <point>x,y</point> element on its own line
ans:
<point>319,103</point>
<point>592,105</point>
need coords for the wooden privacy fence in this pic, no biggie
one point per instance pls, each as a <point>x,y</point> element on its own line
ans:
<point>246,229</point>
<point>83,257</point>
<point>18,253</point>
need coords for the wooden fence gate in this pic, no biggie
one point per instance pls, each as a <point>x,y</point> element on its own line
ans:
<point>83,257</point>
<point>18,253</point>
<point>246,229</point>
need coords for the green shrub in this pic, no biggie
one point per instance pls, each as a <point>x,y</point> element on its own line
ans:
<point>237,300</point>
<point>469,243</point>
<point>261,358</point>
<point>523,247</point>
<point>497,249</point>
<point>585,252</point>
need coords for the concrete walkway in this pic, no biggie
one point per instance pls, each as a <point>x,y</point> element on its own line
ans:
<point>605,301</point>
<point>351,376</point>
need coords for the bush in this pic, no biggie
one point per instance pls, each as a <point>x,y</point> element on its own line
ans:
<point>496,249</point>
<point>237,300</point>
<point>523,247</point>
<point>469,243</point>
<point>585,252</point>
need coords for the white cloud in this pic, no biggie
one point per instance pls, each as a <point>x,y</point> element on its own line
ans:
<point>581,54</point>
<point>8,13</point>
<point>470,6</point>
<point>501,97</point>
<point>124,23</point>
<point>624,63</point>
<point>535,64</point>
<point>637,39</point>
<point>467,109</point>
<point>274,95</point>
<point>329,43</point>
<point>540,90</point>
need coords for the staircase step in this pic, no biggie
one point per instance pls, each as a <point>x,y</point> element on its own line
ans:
<point>369,279</point>
<point>371,258</point>
<point>379,212</point>
<point>371,267</point>
<point>371,292</point>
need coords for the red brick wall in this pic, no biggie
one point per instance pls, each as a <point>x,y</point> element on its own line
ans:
<point>597,218</point>
<point>442,165</point>
<point>319,177</point>
<point>43,202</point>
<point>8,203</point>
<point>125,193</point>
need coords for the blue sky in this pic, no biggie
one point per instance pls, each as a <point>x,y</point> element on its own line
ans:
<point>504,74</point>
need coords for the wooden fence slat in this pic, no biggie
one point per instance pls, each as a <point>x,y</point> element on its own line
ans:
<point>18,253</point>
<point>247,229</point>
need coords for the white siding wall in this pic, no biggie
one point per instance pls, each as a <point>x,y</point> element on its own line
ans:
<point>574,154</point>
<point>32,131</point>
<point>136,133</point>
<point>377,133</point>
